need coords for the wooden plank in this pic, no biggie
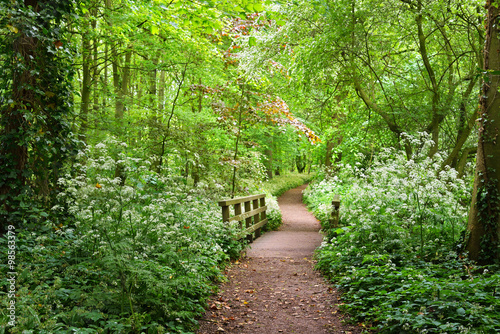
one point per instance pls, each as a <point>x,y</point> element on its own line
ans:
<point>251,229</point>
<point>243,216</point>
<point>240,200</point>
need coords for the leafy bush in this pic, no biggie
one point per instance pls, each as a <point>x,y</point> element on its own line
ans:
<point>126,250</point>
<point>134,257</point>
<point>278,185</point>
<point>396,256</point>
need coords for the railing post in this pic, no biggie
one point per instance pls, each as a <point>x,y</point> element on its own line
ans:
<point>248,221</point>
<point>334,220</point>
<point>255,205</point>
<point>237,211</point>
<point>225,213</point>
<point>263,214</point>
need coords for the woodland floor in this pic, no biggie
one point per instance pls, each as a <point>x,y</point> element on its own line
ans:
<point>274,289</point>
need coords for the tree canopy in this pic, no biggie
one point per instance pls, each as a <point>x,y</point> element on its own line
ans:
<point>117,115</point>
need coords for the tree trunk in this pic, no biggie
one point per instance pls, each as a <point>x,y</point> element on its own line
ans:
<point>14,152</point>
<point>463,161</point>
<point>268,152</point>
<point>463,130</point>
<point>119,106</point>
<point>484,216</point>
<point>330,144</point>
<point>86,81</point>
<point>95,73</point>
<point>161,93</point>
<point>436,117</point>
<point>301,162</point>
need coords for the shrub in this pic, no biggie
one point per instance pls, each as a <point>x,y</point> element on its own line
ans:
<point>395,256</point>
<point>278,185</point>
<point>133,257</point>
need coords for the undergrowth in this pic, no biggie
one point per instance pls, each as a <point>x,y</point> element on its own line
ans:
<point>278,185</point>
<point>397,255</point>
<point>140,253</point>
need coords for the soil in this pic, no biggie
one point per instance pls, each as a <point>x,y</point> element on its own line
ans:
<point>274,288</point>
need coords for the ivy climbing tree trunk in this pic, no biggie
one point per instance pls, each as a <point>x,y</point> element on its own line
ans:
<point>484,216</point>
<point>35,108</point>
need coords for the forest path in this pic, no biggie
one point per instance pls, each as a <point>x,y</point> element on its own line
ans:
<point>274,289</point>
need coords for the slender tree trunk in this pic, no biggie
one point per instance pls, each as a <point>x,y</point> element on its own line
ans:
<point>268,153</point>
<point>180,81</point>
<point>238,136</point>
<point>161,93</point>
<point>269,162</point>
<point>436,119</point>
<point>86,81</point>
<point>385,116</point>
<point>119,106</point>
<point>330,144</point>
<point>484,217</point>
<point>95,50</point>
<point>463,130</point>
<point>463,161</point>
<point>153,88</point>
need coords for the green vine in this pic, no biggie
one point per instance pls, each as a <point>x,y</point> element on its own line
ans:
<point>35,105</point>
<point>488,205</point>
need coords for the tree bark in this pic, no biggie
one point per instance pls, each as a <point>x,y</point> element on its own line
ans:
<point>95,72</point>
<point>436,119</point>
<point>330,144</point>
<point>86,82</point>
<point>483,228</point>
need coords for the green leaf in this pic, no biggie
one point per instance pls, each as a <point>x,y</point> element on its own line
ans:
<point>258,7</point>
<point>155,30</point>
<point>252,41</point>
<point>12,28</point>
<point>461,311</point>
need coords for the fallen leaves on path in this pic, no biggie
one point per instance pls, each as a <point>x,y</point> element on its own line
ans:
<point>275,300</point>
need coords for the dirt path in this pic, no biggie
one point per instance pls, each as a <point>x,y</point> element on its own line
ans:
<point>275,289</point>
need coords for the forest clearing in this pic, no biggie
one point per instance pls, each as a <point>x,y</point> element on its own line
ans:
<point>130,129</point>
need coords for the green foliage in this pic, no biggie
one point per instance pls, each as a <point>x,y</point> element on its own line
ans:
<point>278,185</point>
<point>488,205</point>
<point>137,257</point>
<point>414,296</point>
<point>396,256</point>
<point>35,105</point>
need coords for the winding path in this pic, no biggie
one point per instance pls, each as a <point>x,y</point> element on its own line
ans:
<point>274,289</point>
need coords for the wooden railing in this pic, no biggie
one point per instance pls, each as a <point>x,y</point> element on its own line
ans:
<point>254,214</point>
<point>334,218</point>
